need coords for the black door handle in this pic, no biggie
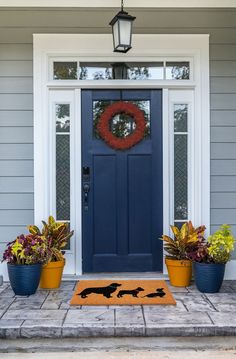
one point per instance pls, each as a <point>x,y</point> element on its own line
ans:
<point>86,189</point>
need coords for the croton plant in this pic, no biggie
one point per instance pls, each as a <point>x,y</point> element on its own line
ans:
<point>57,235</point>
<point>185,240</point>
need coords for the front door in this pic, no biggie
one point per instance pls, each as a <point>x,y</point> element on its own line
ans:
<point>122,188</point>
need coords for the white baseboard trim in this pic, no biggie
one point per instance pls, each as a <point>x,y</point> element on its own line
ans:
<point>230,272</point>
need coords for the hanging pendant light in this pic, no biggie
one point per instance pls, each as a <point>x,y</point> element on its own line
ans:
<point>122,30</point>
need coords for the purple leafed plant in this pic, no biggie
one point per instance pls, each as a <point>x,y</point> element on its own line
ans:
<point>27,249</point>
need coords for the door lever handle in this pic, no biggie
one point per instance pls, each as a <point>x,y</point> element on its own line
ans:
<point>86,189</point>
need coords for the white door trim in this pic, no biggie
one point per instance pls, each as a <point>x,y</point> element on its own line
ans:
<point>145,48</point>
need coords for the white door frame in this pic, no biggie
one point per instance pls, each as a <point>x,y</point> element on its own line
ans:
<point>99,48</point>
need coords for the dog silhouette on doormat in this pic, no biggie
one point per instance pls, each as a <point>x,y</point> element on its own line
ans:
<point>133,292</point>
<point>105,291</point>
<point>159,293</point>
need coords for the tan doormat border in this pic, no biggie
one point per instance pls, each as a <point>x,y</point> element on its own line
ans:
<point>122,292</point>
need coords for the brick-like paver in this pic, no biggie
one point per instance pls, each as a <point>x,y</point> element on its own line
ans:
<point>48,314</point>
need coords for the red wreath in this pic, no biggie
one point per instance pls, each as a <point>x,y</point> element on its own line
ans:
<point>127,108</point>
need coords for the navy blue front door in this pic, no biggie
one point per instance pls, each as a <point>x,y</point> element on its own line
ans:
<point>122,189</point>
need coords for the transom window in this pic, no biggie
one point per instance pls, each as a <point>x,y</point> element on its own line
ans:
<point>160,70</point>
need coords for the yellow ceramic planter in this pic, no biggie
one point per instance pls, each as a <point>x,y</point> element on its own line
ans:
<point>180,272</point>
<point>51,275</point>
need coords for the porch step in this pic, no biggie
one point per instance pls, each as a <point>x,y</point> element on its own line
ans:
<point>123,345</point>
<point>48,314</point>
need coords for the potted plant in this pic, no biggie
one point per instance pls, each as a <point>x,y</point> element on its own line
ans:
<point>57,235</point>
<point>25,256</point>
<point>178,264</point>
<point>209,260</point>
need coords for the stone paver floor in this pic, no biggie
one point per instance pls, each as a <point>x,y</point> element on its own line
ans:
<point>47,314</point>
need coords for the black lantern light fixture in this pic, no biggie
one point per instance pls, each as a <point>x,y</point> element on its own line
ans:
<point>122,30</point>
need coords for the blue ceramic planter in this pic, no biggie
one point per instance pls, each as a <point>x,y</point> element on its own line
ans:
<point>208,276</point>
<point>24,279</point>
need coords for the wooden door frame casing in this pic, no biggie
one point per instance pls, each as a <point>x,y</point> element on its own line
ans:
<point>145,48</point>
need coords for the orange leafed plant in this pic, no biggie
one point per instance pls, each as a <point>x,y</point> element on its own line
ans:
<point>185,240</point>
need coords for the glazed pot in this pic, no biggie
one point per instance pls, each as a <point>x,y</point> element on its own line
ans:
<point>179,271</point>
<point>208,276</point>
<point>51,275</point>
<point>24,279</point>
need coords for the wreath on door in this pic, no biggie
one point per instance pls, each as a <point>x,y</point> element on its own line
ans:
<point>104,128</point>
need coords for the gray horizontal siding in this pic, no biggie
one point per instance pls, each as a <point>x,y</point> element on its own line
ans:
<point>223,151</point>
<point>223,134</point>
<point>11,85</point>
<point>16,201</point>
<point>16,102</point>
<point>16,184</point>
<point>223,184</point>
<point>16,118</point>
<point>223,167</point>
<point>23,151</point>
<point>220,85</point>
<point>21,217</point>
<point>8,233</point>
<point>16,68</point>
<point>223,101</point>
<point>16,135</point>
<point>223,118</point>
<point>223,200</point>
<point>16,168</point>
<point>223,215</point>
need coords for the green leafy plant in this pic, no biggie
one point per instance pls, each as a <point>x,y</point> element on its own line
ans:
<point>221,244</point>
<point>185,240</point>
<point>57,235</point>
<point>27,249</point>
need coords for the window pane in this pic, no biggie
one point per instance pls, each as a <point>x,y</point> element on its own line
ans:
<point>121,125</point>
<point>65,70</point>
<point>177,70</point>
<point>63,177</point>
<point>180,118</point>
<point>121,71</point>
<point>180,176</point>
<point>62,118</point>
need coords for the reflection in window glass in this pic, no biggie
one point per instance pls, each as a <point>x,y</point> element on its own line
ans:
<point>121,125</point>
<point>62,162</point>
<point>65,70</point>
<point>180,163</point>
<point>121,71</point>
<point>63,118</point>
<point>177,70</point>
<point>180,118</point>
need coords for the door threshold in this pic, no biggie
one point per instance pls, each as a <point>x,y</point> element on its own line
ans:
<point>121,276</point>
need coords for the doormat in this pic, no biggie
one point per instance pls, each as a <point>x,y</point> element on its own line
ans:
<point>122,292</point>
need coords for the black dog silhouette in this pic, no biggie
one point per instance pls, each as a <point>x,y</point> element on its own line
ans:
<point>159,293</point>
<point>133,292</point>
<point>105,291</point>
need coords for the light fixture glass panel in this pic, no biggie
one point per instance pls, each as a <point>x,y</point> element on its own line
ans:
<point>116,34</point>
<point>125,32</point>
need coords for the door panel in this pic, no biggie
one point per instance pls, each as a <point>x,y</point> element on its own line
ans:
<point>122,209</point>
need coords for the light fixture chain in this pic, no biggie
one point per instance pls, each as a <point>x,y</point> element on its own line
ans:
<point>122,5</point>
